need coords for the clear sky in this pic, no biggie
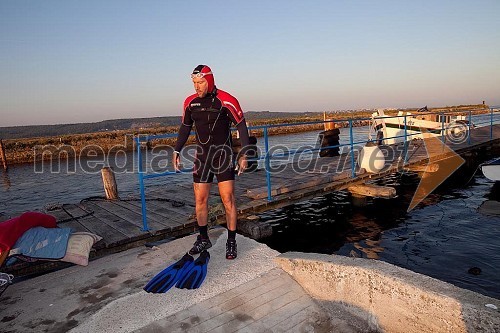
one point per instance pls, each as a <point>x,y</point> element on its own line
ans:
<point>73,61</point>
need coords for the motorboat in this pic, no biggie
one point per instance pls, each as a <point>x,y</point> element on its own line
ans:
<point>422,124</point>
<point>491,169</point>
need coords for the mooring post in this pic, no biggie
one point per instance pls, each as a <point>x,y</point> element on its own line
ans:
<point>109,181</point>
<point>3,157</point>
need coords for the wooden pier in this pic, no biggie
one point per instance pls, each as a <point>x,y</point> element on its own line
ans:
<point>171,211</point>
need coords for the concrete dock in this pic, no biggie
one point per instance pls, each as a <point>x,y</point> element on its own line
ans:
<point>261,291</point>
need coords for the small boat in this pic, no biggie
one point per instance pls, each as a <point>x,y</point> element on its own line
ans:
<point>393,129</point>
<point>491,169</point>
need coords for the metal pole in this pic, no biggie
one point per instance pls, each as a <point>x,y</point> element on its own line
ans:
<point>141,184</point>
<point>491,123</point>
<point>405,147</point>
<point>470,122</point>
<point>267,164</point>
<point>351,139</point>
<point>443,134</point>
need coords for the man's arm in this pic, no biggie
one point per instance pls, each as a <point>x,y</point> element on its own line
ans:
<point>235,113</point>
<point>182,136</point>
<point>244,139</point>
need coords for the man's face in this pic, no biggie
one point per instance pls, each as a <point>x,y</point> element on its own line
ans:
<point>201,86</point>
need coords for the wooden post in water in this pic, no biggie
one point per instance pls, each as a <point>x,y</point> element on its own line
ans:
<point>109,181</point>
<point>3,157</point>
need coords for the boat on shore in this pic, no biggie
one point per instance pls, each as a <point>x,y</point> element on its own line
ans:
<point>394,129</point>
<point>491,169</point>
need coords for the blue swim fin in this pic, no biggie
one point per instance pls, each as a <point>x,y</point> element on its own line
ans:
<point>168,277</point>
<point>196,274</point>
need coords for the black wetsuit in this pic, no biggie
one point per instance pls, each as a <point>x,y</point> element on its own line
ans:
<point>212,116</point>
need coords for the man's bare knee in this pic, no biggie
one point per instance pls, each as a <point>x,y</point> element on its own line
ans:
<point>201,201</point>
<point>228,200</point>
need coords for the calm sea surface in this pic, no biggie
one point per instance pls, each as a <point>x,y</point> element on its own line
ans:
<point>443,237</point>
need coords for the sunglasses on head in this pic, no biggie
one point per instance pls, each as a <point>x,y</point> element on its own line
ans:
<point>199,75</point>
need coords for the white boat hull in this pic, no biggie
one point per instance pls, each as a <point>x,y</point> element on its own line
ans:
<point>491,169</point>
<point>395,129</point>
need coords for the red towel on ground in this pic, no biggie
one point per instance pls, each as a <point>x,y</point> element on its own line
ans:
<point>12,229</point>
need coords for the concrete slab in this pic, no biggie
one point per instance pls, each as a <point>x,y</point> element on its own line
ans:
<point>390,298</point>
<point>107,295</point>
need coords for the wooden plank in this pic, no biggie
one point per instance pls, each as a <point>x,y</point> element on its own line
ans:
<point>64,220</point>
<point>370,190</point>
<point>110,235</point>
<point>175,200</point>
<point>305,182</point>
<point>112,220</point>
<point>75,226</point>
<point>175,193</point>
<point>434,167</point>
<point>130,216</point>
<point>60,215</point>
<point>176,204</point>
<point>162,210</point>
<point>166,222</point>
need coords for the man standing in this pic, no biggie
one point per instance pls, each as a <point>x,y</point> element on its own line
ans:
<point>212,111</point>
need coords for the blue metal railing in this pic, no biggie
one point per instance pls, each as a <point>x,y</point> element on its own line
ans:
<point>266,158</point>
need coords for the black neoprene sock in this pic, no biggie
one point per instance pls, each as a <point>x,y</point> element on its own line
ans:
<point>203,231</point>
<point>231,234</point>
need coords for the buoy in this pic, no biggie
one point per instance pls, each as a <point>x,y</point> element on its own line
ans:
<point>371,158</point>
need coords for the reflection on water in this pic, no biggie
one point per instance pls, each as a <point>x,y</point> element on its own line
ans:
<point>491,207</point>
<point>6,180</point>
<point>443,237</point>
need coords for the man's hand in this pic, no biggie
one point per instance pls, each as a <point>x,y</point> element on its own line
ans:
<point>176,161</point>
<point>242,164</point>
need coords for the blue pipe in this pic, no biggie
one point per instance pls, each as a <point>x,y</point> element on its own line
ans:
<point>141,185</point>
<point>351,135</point>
